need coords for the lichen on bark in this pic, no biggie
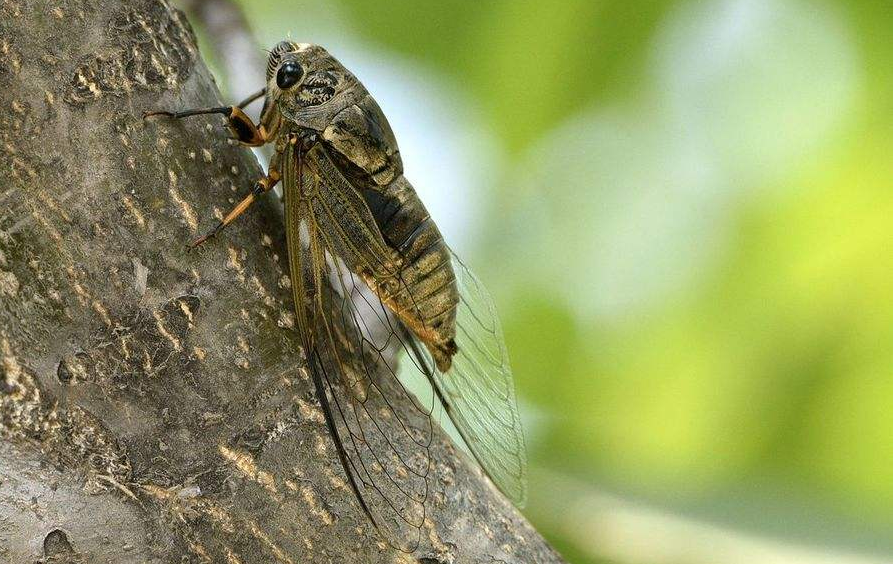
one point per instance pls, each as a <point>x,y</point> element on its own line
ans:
<point>153,402</point>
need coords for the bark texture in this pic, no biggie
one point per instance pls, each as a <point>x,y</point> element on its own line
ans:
<point>153,403</point>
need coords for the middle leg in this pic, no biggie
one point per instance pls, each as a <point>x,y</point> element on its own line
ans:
<point>261,187</point>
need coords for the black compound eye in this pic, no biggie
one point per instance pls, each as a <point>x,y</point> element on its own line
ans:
<point>289,74</point>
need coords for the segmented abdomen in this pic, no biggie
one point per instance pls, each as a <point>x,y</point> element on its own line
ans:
<point>423,294</point>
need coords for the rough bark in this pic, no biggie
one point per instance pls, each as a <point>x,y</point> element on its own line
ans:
<point>153,403</point>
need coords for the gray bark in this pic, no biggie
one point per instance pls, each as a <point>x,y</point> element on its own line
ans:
<point>137,379</point>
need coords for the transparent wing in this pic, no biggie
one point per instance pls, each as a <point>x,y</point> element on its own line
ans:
<point>478,392</point>
<point>381,433</point>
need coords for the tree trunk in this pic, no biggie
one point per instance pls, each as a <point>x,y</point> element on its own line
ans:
<point>153,402</point>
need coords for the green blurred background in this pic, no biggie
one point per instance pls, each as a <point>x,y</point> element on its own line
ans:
<point>684,211</point>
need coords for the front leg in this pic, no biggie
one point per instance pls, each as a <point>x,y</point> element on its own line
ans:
<point>239,123</point>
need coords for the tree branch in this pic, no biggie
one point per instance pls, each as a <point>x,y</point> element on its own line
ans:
<point>241,58</point>
<point>153,403</point>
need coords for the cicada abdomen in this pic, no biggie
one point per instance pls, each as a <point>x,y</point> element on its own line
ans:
<point>422,291</point>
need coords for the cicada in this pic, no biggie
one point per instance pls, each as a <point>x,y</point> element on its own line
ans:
<point>358,235</point>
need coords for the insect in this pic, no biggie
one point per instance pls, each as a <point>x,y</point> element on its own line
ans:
<point>359,238</point>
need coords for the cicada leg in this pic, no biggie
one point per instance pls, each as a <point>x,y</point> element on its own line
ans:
<point>261,187</point>
<point>246,132</point>
<point>252,97</point>
<point>239,123</point>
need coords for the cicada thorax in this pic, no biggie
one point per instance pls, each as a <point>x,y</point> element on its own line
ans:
<point>419,284</point>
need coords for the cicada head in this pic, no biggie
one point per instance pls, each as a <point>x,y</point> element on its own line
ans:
<point>306,82</point>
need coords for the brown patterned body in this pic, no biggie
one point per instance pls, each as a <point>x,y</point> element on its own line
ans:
<point>424,295</point>
<point>413,274</point>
